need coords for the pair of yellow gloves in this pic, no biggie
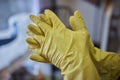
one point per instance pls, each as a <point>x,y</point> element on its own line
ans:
<point>72,51</point>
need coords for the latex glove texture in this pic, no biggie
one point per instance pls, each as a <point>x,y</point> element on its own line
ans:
<point>66,49</point>
<point>107,63</point>
<point>70,50</point>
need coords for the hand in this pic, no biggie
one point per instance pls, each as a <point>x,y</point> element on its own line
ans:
<point>66,49</point>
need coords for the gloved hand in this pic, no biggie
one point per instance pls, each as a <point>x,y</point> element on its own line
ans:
<point>107,63</point>
<point>66,49</point>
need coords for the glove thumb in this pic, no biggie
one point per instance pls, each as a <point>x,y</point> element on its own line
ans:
<point>77,22</point>
<point>38,58</point>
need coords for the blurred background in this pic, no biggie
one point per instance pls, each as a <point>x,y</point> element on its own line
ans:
<point>102,18</point>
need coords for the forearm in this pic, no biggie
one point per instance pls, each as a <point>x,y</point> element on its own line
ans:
<point>107,56</point>
<point>108,64</point>
<point>78,74</point>
<point>84,70</point>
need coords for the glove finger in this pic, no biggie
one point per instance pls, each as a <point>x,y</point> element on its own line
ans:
<point>43,26</point>
<point>30,33</point>
<point>35,42</point>
<point>56,22</point>
<point>72,24</point>
<point>32,47</point>
<point>77,14</point>
<point>34,29</point>
<point>77,22</point>
<point>45,19</point>
<point>39,39</point>
<point>38,58</point>
<point>35,19</point>
<point>32,42</point>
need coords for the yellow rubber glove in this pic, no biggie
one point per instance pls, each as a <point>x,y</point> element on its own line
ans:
<point>37,35</point>
<point>66,49</point>
<point>107,63</point>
